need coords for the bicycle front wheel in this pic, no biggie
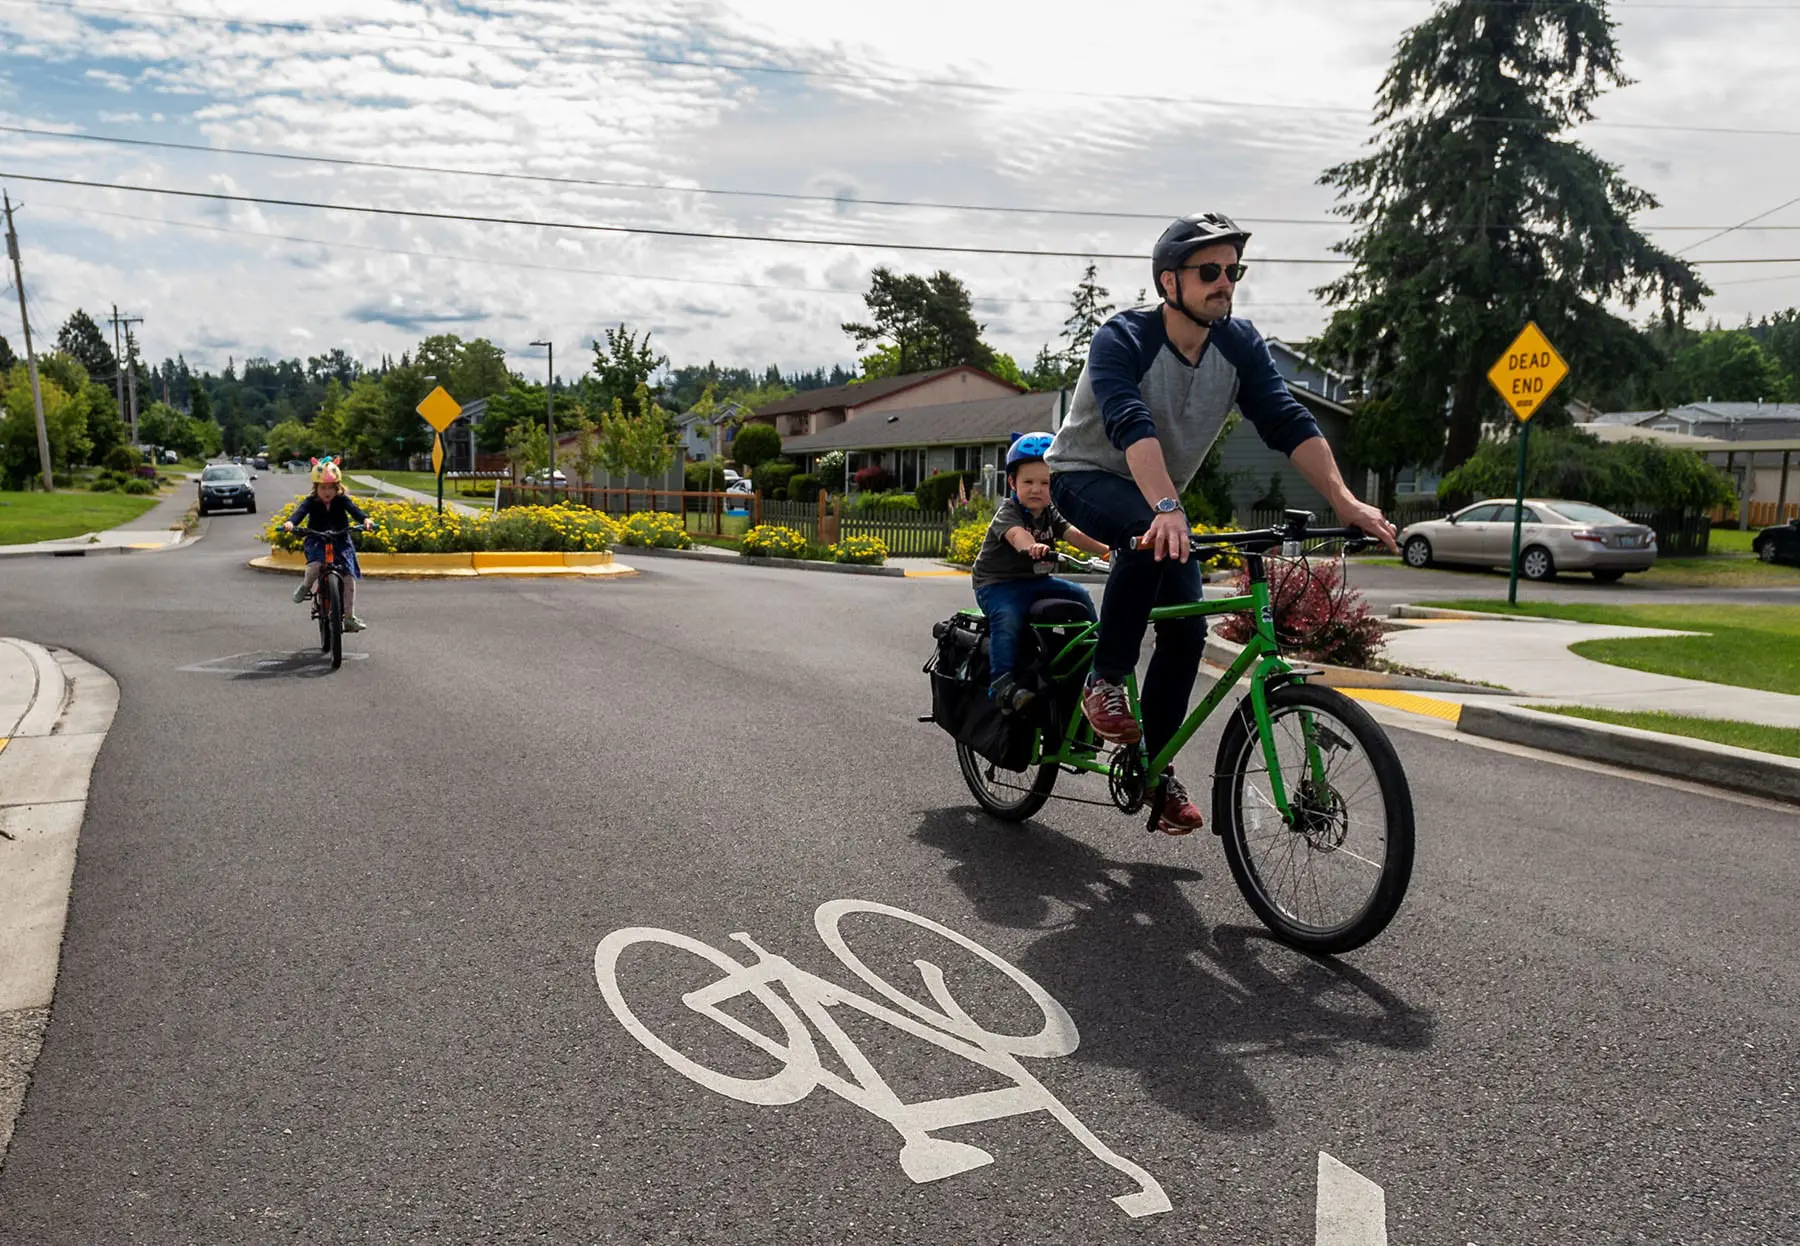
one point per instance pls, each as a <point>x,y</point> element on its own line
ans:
<point>322,612</point>
<point>335,615</point>
<point>1011,795</point>
<point>1332,878</point>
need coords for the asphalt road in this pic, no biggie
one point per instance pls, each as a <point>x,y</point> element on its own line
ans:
<point>330,966</point>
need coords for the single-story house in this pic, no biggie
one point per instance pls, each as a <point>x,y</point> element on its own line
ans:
<point>916,443</point>
<point>1755,444</point>
<point>817,410</point>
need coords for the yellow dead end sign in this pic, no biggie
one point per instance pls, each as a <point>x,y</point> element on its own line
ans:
<point>1528,372</point>
<point>440,411</point>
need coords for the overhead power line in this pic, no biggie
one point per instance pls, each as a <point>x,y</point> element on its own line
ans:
<point>660,232</point>
<point>590,227</point>
<point>673,188</point>
<point>604,54</point>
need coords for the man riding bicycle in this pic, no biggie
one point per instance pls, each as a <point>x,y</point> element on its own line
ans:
<point>1151,401</point>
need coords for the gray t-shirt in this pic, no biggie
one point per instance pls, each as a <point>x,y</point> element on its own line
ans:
<point>998,560</point>
<point>1136,385</point>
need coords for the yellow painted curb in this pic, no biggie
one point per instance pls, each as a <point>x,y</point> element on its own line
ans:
<point>4,741</point>
<point>405,563</point>
<point>417,562</point>
<point>928,575</point>
<point>583,568</point>
<point>1411,702</point>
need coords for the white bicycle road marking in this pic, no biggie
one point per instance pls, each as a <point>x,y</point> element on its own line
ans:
<point>1352,1210</point>
<point>949,1027</point>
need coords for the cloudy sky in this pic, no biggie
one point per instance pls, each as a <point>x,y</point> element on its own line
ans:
<point>630,111</point>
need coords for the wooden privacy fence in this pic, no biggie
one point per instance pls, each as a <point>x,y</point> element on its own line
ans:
<point>907,534</point>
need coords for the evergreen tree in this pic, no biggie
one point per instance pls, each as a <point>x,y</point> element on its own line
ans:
<point>1472,216</point>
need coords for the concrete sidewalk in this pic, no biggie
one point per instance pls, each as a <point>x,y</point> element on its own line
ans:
<point>55,710</point>
<point>1534,661</point>
<point>376,484</point>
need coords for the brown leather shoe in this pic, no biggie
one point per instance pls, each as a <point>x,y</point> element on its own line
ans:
<point>1180,816</point>
<point>1108,711</point>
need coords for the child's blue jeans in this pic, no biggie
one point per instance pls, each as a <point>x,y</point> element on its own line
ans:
<point>1007,604</point>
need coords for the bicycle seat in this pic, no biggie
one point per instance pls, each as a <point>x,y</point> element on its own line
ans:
<point>1058,611</point>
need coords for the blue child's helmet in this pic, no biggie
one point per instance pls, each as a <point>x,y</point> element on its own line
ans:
<point>1029,448</point>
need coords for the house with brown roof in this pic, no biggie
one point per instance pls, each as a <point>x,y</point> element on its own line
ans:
<point>816,410</point>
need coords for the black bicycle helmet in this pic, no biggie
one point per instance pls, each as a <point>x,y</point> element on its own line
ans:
<point>1182,238</point>
<point>1188,234</point>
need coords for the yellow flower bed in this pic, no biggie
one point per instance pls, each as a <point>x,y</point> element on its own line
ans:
<point>865,551</point>
<point>774,541</point>
<point>415,528</point>
<point>965,542</point>
<point>655,529</point>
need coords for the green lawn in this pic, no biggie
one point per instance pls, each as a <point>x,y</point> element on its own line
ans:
<point>27,517</point>
<point>1748,646</point>
<point>1716,572</point>
<point>1782,740</point>
<point>1730,541</point>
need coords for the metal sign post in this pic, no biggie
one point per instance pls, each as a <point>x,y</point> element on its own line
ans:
<point>1525,376</point>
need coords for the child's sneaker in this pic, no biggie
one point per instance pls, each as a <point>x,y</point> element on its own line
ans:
<point>353,624</point>
<point>300,593</point>
<point>1011,696</point>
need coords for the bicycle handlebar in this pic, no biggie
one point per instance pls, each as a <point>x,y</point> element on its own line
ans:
<point>1261,539</point>
<point>327,533</point>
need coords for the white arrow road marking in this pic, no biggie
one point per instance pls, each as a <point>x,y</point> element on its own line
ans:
<point>1352,1210</point>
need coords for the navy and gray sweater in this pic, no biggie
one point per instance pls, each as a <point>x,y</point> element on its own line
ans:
<point>1136,385</point>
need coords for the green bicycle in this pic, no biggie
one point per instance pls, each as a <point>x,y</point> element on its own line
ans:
<point>1308,796</point>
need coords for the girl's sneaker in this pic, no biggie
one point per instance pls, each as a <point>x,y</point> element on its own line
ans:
<point>300,593</point>
<point>353,624</point>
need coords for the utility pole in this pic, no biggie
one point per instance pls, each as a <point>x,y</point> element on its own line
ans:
<point>550,413</point>
<point>131,381</point>
<point>119,369</point>
<point>37,394</point>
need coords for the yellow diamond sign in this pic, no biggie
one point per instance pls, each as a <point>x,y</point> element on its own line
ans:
<point>439,409</point>
<point>437,455</point>
<point>1527,373</point>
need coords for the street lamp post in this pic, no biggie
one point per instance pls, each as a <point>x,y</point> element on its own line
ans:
<point>550,413</point>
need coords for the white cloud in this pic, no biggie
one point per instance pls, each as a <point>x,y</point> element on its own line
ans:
<point>555,90</point>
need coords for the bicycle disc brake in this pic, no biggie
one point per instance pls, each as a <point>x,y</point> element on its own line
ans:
<point>1125,781</point>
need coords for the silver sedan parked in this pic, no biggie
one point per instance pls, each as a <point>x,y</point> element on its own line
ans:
<point>1556,536</point>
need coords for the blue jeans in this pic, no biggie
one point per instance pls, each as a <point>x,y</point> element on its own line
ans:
<point>1007,604</point>
<point>1111,509</point>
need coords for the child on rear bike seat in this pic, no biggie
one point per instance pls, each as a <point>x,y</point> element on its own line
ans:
<point>328,507</point>
<point>1012,571</point>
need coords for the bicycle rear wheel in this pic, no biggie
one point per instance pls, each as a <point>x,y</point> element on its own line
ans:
<point>335,615</point>
<point>1332,879</point>
<point>1011,795</point>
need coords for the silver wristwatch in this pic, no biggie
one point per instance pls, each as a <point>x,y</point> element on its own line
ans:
<point>1168,506</point>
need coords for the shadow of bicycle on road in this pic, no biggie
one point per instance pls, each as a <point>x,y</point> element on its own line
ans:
<point>1187,1005</point>
<point>271,664</point>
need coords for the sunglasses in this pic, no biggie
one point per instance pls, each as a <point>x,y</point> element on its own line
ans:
<point>1211,272</point>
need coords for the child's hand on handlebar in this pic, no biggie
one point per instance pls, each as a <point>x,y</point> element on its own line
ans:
<point>1040,552</point>
<point>287,527</point>
<point>368,525</point>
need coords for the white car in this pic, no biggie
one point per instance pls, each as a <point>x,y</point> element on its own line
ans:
<point>740,486</point>
<point>1555,535</point>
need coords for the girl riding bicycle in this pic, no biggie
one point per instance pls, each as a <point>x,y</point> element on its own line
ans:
<point>328,507</point>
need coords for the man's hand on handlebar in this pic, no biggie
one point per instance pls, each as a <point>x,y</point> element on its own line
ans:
<point>1168,537</point>
<point>1357,514</point>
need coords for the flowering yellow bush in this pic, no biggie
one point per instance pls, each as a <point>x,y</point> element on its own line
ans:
<point>774,541</point>
<point>965,542</point>
<point>655,529</point>
<point>864,550</point>
<point>416,528</point>
<point>1224,558</point>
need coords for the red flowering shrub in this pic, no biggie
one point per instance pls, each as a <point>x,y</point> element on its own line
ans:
<point>1317,617</point>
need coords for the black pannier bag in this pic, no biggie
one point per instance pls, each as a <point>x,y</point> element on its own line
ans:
<point>959,695</point>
